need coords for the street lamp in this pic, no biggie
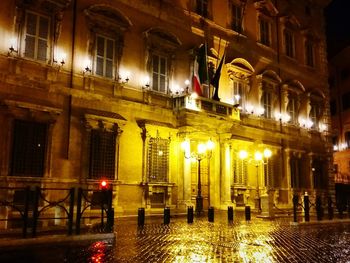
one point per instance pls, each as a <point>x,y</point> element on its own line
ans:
<point>204,150</point>
<point>259,158</point>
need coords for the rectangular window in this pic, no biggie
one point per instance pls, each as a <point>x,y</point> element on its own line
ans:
<point>236,22</point>
<point>289,43</point>
<point>264,32</point>
<point>319,175</point>
<point>202,7</point>
<point>158,160</point>
<point>333,106</point>
<point>295,172</point>
<point>28,148</point>
<point>37,32</point>
<point>292,109</point>
<point>237,92</point>
<point>102,154</point>
<point>159,73</point>
<point>104,57</point>
<point>309,53</point>
<point>266,101</point>
<point>314,114</point>
<point>347,138</point>
<point>346,100</point>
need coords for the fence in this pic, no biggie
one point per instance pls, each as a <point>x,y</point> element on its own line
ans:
<point>33,207</point>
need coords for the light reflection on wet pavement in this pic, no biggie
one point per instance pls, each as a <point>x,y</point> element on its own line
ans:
<point>255,241</point>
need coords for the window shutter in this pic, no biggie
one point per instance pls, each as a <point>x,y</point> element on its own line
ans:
<point>43,38</point>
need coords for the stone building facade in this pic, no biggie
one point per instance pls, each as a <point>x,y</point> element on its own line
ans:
<point>93,90</point>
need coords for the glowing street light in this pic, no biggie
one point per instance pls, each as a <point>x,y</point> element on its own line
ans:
<point>204,150</point>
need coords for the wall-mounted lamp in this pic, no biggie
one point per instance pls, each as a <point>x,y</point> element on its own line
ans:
<point>145,82</point>
<point>123,76</point>
<point>59,57</point>
<point>123,80</point>
<point>87,68</point>
<point>12,50</point>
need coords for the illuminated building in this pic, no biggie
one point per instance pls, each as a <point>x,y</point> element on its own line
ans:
<point>93,90</point>
<point>340,105</point>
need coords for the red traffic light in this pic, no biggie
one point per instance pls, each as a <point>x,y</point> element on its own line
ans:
<point>103,184</point>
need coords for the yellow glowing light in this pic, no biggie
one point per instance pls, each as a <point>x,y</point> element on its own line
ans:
<point>243,154</point>
<point>201,148</point>
<point>210,144</point>
<point>185,145</point>
<point>258,156</point>
<point>267,153</point>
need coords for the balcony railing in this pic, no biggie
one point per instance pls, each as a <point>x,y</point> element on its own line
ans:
<point>201,104</point>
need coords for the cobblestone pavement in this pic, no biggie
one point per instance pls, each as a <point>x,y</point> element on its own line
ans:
<point>255,241</point>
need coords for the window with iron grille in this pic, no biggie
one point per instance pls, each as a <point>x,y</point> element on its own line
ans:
<point>37,33</point>
<point>102,154</point>
<point>319,168</point>
<point>202,7</point>
<point>295,172</point>
<point>289,43</point>
<point>240,171</point>
<point>309,53</point>
<point>292,109</point>
<point>268,168</point>
<point>159,73</point>
<point>264,32</point>
<point>158,160</point>
<point>28,148</point>
<point>236,20</point>
<point>104,56</point>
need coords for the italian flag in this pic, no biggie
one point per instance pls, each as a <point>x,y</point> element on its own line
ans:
<point>200,74</point>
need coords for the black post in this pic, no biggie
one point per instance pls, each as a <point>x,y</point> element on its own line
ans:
<point>199,198</point>
<point>211,214</point>
<point>35,210</point>
<point>230,213</point>
<point>247,213</point>
<point>319,209</point>
<point>77,222</point>
<point>330,208</point>
<point>190,214</point>
<point>306,208</point>
<point>166,215</point>
<point>295,207</point>
<point>25,212</point>
<point>110,220</point>
<point>103,203</point>
<point>71,211</point>
<point>141,217</point>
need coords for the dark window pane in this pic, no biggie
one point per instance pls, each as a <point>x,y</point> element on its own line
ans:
<point>99,66</point>
<point>43,27</point>
<point>109,69</point>
<point>346,101</point>
<point>333,106</point>
<point>110,49</point>
<point>100,46</point>
<point>42,49</point>
<point>29,146</point>
<point>155,84</point>
<point>31,24</point>
<point>30,47</point>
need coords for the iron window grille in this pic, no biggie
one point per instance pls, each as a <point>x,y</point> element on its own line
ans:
<point>102,154</point>
<point>240,169</point>
<point>158,160</point>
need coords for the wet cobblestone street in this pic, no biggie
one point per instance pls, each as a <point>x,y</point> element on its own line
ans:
<point>255,241</point>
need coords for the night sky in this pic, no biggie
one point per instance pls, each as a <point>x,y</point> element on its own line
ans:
<point>338,26</point>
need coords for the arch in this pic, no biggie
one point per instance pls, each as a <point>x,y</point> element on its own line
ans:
<point>113,15</point>
<point>297,84</point>
<point>272,75</point>
<point>164,35</point>
<point>316,93</point>
<point>242,63</point>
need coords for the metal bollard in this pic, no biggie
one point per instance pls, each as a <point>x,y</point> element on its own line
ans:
<point>211,214</point>
<point>190,214</point>
<point>110,220</point>
<point>247,213</point>
<point>230,213</point>
<point>319,209</point>
<point>166,215</point>
<point>306,208</point>
<point>295,207</point>
<point>330,208</point>
<point>141,217</point>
